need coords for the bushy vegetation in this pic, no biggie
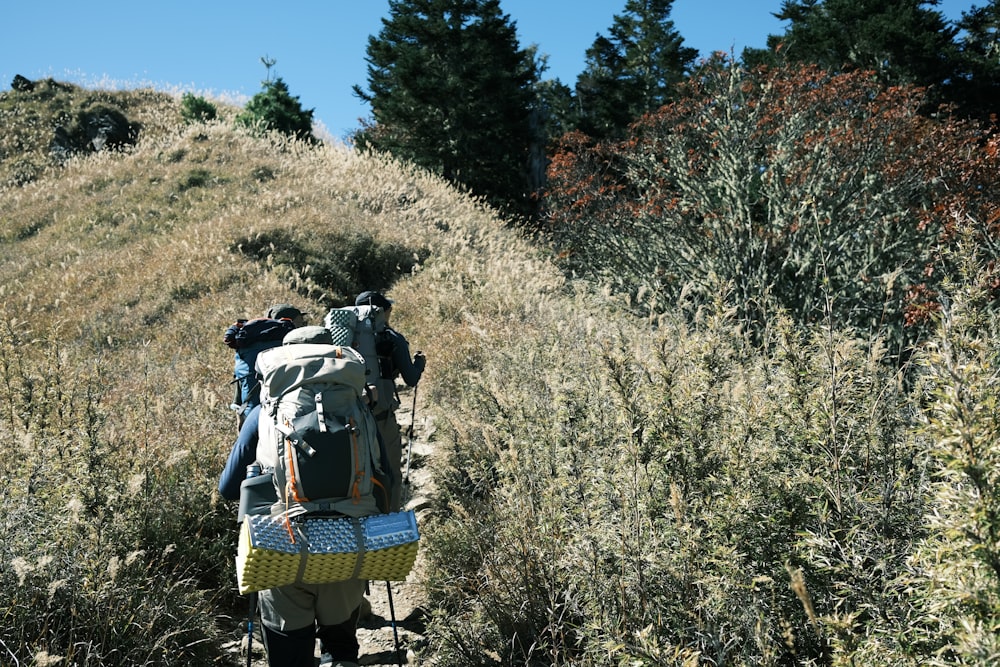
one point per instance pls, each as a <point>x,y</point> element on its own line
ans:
<point>661,503</point>
<point>332,268</point>
<point>196,109</point>
<point>676,496</point>
<point>957,568</point>
<point>823,196</point>
<point>34,114</point>
<point>102,561</point>
<point>688,486</point>
<point>275,109</point>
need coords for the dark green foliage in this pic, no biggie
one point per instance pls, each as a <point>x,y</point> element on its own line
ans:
<point>196,178</point>
<point>600,92</point>
<point>197,109</point>
<point>903,41</point>
<point>338,265</point>
<point>275,109</point>
<point>633,70</point>
<point>976,90</point>
<point>95,127</point>
<point>451,91</point>
<point>555,111</point>
<point>22,84</point>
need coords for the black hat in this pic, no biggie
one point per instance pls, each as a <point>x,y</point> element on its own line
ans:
<point>281,311</point>
<point>371,298</point>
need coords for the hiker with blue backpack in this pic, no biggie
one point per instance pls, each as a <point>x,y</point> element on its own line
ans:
<point>248,338</point>
<point>394,361</point>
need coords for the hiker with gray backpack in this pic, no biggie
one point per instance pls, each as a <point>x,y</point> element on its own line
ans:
<point>315,438</point>
<point>365,326</point>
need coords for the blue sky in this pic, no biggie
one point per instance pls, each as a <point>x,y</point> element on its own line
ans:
<point>214,47</point>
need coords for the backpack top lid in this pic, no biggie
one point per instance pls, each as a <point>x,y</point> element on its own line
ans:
<point>310,334</point>
<point>289,367</point>
<point>247,333</point>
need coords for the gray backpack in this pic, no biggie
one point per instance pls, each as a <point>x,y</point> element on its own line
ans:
<point>317,432</point>
<point>365,329</point>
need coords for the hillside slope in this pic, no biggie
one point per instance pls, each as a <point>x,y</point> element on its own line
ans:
<point>140,259</point>
<point>120,270</point>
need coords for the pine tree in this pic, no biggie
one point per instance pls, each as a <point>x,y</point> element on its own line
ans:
<point>904,41</point>
<point>553,114</point>
<point>275,108</point>
<point>977,89</point>
<point>633,70</point>
<point>451,90</point>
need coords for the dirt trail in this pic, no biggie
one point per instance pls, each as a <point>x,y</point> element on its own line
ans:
<point>376,633</point>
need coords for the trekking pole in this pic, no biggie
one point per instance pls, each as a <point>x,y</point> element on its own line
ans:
<point>409,435</point>
<point>253,612</point>
<point>392,615</point>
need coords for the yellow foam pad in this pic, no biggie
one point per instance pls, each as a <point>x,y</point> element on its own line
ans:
<point>274,552</point>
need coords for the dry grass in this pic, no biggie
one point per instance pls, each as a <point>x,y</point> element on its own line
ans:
<point>611,491</point>
<point>118,274</point>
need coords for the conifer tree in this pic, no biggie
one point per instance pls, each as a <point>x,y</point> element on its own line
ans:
<point>553,114</point>
<point>633,70</point>
<point>977,89</point>
<point>904,41</point>
<point>451,90</point>
<point>275,108</point>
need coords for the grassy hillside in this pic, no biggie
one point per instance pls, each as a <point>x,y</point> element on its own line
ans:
<point>611,491</point>
<point>119,273</point>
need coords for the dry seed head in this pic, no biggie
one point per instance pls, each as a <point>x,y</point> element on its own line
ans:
<point>22,568</point>
<point>798,584</point>
<point>54,588</point>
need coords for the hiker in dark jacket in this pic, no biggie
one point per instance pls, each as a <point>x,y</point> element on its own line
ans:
<point>385,410</point>
<point>255,337</point>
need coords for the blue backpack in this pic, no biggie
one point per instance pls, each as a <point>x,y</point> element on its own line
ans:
<point>249,338</point>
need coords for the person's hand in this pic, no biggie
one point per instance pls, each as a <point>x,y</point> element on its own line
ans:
<point>371,395</point>
<point>420,355</point>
